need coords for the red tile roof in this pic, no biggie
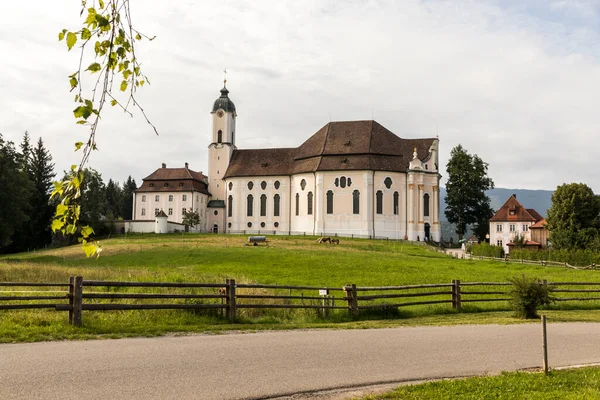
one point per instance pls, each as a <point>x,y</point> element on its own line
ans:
<point>541,224</point>
<point>347,145</point>
<point>174,180</point>
<point>512,210</point>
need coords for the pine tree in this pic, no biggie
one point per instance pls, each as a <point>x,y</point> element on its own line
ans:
<point>129,187</point>
<point>42,173</point>
<point>114,196</point>
<point>14,192</point>
<point>93,201</point>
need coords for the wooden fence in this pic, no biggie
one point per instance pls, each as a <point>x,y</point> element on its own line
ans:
<point>227,298</point>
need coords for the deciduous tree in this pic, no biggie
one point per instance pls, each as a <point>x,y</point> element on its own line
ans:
<point>573,218</point>
<point>466,201</point>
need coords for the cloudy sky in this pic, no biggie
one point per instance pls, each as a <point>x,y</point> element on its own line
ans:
<point>516,82</point>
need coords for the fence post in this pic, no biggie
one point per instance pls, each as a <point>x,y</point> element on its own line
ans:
<point>77,301</point>
<point>453,289</point>
<point>354,300</point>
<point>71,298</point>
<point>457,296</point>
<point>230,292</point>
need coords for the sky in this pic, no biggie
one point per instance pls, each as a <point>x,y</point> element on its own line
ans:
<point>515,82</point>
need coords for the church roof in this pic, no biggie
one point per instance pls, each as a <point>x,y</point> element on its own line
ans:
<point>512,210</point>
<point>345,145</point>
<point>174,180</point>
<point>224,102</point>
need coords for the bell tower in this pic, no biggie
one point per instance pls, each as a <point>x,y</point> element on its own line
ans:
<point>223,117</point>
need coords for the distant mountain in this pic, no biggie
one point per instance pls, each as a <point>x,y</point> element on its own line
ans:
<point>540,200</point>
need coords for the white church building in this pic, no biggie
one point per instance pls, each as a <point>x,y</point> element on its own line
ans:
<point>350,178</point>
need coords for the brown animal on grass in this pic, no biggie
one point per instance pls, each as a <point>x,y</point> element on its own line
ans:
<point>324,239</point>
<point>335,241</point>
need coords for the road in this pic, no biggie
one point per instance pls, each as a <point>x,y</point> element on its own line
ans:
<point>278,364</point>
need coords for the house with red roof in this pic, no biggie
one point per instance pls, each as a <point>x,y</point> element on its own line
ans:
<point>513,220</point>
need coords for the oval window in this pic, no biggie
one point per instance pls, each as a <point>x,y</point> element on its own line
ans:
<point>263,185</point>
<point>343,182</point>
<point>262,224</point>
<point>277,184</point>
<point>229,225</point>
<point>249,224</point>
<point>250,185</point>
<point>276,224</point>
<point>230,185</point>
<point>303,184</point>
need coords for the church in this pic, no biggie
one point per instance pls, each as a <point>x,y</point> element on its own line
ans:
<point>350,178</point>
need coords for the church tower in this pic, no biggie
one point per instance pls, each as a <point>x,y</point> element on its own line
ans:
<point>223,142</point>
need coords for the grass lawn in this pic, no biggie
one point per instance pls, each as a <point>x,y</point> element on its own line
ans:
<point>581,383</point>
<point>290,260</point>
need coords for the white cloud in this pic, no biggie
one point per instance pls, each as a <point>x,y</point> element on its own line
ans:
<point>515,84</point>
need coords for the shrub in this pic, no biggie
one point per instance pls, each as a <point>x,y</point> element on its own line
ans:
<point>527,294</point>
<point>487,250</point>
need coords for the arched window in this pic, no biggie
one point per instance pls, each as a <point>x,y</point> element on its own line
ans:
<point>263,205</point>
<point>276,205</point>
<point>426,205</point>
<point>250,205</point>
<point>230,206</point>
<point>396,198</point>
<point>379,202</point>
<point>329,202</point>
<point>297,204</point>
<point>220,136</point>
<point>310,203</point>
<point>356,202</point>
<point>230,185</point>
<point>343,182</point>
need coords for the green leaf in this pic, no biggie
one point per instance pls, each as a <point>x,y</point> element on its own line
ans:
<point>89,248</point>
<point>61,209</point>
<point>101,3</point>
<point>123,86</point>
<point>61,34</point>
<point>85,34</point>
<point>142,82</point>
<point>73,81</point>
<point>71,40</point>
<point>82,112</point>
<point>113,102</point>
<point>71,229</point>
<point>86,231</point>
<point>94,67</point>
<point>138,37</point>
<point>57,225</point>
<point>102,21</point>
<point>78,145</point>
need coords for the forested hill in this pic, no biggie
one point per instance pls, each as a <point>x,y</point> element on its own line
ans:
<point>536,199</point>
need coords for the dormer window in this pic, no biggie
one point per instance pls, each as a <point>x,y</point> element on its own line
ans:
<point>180,184</point>
<point>166,185</point>
<point>511,212</point>
<point>151,185</point>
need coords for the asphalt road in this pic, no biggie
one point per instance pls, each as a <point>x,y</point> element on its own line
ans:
<point>272,364</point>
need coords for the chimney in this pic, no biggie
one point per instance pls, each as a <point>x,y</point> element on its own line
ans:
<point>514,195</point>
<point>186,165</point>
<point>164,165</point>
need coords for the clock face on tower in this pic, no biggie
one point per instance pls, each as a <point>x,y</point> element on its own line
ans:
<point>220,113</point>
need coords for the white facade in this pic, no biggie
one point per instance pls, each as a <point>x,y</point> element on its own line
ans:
<point>301,191</point>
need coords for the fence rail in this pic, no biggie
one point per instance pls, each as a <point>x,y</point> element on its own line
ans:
<point>229,297</point>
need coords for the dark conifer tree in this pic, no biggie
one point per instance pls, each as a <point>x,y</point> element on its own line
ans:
<point>42,173</point>
<point>129,187</point>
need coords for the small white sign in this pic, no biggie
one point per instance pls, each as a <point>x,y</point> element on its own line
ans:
<point>323,292</point>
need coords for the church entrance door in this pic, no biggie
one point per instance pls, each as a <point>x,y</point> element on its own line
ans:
<point>215,228</point>
<point>427,231</point>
